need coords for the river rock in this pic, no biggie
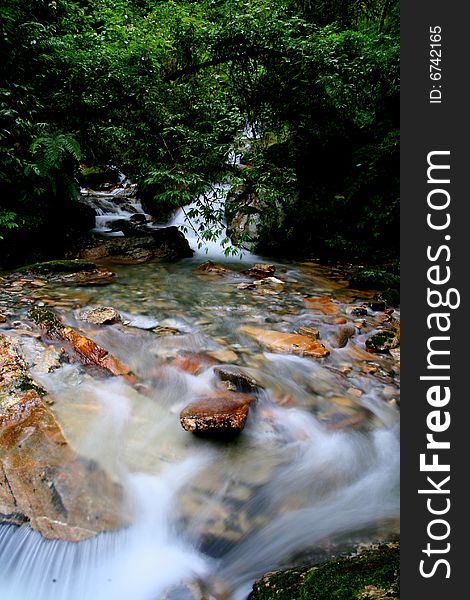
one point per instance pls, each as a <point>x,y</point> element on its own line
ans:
<point>292,343</point>
<point>43,359</point>
<point>3,319</point>
<point>271,282</point>
<point>371,573</point>
<point>222,415</point>
<point>211,267</point>
<point>192,362</point>
<point>261,270</point>
<point>224,356</point>
<point>375,305</point>
<point>383,341</point>
<point>246,286</point>
<point>357,311</point>
<point>76,272</point>
<point>166,244</point>
<point>340,338</point>
<point>322,304</point>
<point>308,331</point>
<point>162,331</point>
<point>239,378</point>
<point>103,315</point>
<point>87,350</point>
<point>42,480</point>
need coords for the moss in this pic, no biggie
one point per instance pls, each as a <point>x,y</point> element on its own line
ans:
<point>25,383</point>
<point>346,578</point>
<point>46,319</point>
<point>390,296</point>
<point>58,267</point>
<point>376,279</point>
<point>382,341</point>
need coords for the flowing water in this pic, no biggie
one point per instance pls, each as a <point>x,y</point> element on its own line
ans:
<point>316,467</point>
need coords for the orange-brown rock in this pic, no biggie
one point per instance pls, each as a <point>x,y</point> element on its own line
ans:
<point>42,480</point>
<point>261,270</point>
<point>308,331</point>
<point>322,304</point>
<point>223,414</point>
<point>211,267</point>
<point>192,362</point>
<point>93,354</point>
<point>87,349</point>
<point>291,343</point>
<point>340,338</point>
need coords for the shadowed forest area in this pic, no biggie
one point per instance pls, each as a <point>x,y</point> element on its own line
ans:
<point>163,91</point>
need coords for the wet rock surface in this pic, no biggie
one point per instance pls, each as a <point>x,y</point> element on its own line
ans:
<point>247,489</point>
<point>276,341</point>
<point>42,480</point>
<point>383,341</point>
<point>103,315</point>
<point>372,573</point>
<point>166,244</point>
<point>74,272</point>
<point>88,351</point>
<point>221,415</point>
<point>240,380</point>
<point>261,270</point>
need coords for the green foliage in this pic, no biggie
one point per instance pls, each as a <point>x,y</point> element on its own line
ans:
<point>162,89</point>
<point>374,278</point>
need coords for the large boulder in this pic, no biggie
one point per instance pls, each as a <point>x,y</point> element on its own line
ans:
<point>166,244</point>
<point>42,480</point>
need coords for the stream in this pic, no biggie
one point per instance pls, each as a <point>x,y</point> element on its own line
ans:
<point>315,469</point>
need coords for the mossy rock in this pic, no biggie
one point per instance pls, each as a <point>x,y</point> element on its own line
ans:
<point>372,574</point>
<point>383,341</point>
<point>375,279</point>
<point>46,319</point>
<point>390,296</point>
<point>97,176</point>
<point>58,267</point>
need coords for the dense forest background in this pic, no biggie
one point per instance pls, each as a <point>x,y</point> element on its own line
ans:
<point>162,90</point>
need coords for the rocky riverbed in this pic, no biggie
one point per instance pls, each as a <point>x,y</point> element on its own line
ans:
<point>292,372</point>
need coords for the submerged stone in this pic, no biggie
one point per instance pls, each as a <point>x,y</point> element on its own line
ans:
<point>272,282</point>
<point>277,341</point>
<point>341,336</point>
<point>322,304</point>
<point>192,362</point>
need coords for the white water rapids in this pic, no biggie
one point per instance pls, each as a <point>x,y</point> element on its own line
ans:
<point>292,485</point>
